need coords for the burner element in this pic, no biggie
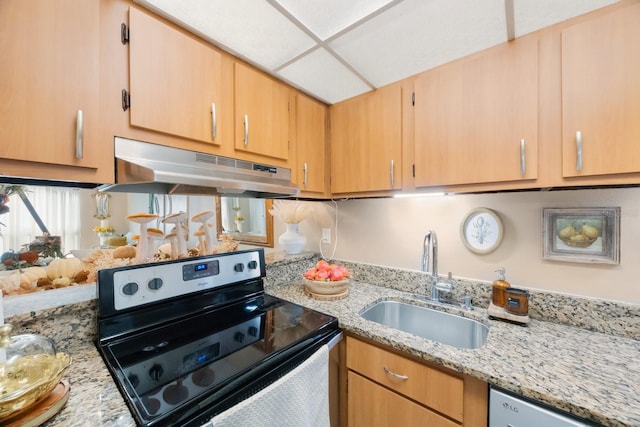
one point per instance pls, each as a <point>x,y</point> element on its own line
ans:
<point>203,377</point>
<point>175,393</point>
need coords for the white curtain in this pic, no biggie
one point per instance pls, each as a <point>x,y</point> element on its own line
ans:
<point>59,209</point>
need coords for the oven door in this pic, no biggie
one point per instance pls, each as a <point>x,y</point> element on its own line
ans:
<point>303,396</point>
<point>268,375</point>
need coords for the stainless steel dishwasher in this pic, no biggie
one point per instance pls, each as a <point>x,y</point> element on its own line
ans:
<point>508,410</point>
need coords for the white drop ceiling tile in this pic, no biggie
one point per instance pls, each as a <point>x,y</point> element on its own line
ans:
<point>254,30</point>
<point>532,15</point>
<point>416,35</point>
<point>328,17</point>
<point>323,76</point>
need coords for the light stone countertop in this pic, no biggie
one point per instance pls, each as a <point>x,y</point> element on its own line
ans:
<point>590,374</point>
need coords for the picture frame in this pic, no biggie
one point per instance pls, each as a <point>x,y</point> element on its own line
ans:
<point>587,235</point>
<point>481,231</point>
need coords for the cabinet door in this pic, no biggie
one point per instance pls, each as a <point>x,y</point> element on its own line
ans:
<point>310,144</point>
<point>428,386</point>
<point>371,405</point>
<point>261,114</point>
<point>366,142</point>
<point>476,120</point>
<point>601,95</point>
<point>49,74</point>
<point>175,81</point>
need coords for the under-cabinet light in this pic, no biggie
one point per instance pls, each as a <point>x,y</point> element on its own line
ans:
<point>420,194</point>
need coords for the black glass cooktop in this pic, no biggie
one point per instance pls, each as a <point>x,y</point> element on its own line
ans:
<point>183,366</point>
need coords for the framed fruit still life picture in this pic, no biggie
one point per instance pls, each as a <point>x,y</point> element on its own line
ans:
<point>590,235</point>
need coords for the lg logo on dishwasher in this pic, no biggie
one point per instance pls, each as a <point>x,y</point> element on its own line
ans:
<point>509,407</point>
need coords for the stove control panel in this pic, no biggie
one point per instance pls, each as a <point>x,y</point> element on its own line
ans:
<point>150,283</point>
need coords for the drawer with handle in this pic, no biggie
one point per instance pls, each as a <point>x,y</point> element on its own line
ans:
<point>431,387</point>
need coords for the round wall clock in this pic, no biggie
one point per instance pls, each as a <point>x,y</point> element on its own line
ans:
<point>481,231</point>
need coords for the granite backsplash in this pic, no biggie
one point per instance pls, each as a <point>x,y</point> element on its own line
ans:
<point>608,317</point>
<point>74,323</point>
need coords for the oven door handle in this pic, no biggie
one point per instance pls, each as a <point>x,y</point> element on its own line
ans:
<point>334,341</point>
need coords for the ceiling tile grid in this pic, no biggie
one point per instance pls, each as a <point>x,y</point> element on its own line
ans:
<point>336,49</point>
<point>251,29</point>
<point>321,74</point>
<point>417,35</point>
<point>328,17</point>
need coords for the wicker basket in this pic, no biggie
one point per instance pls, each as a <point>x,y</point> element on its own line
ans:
<point>578,243</point>
<point>326,287</point>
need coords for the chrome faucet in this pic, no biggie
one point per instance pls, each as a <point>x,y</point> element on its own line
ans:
<point>430,253</point>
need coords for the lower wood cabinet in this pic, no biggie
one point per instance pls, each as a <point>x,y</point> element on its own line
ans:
<point>388,389</point>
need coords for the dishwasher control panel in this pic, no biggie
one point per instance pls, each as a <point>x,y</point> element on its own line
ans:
<point>507,410</point>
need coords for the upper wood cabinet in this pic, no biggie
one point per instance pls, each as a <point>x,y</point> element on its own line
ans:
<point>310,144</point>
<point>261,114</point>
<point>476,118</point>
<point>366,142</point>
<point>49,108</point>
<point>601,95</point>
<point>175,81</point>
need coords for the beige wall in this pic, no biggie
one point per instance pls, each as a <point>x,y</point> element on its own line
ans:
<point>390,232</point>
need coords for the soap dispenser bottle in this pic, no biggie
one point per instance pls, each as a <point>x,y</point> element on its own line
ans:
<point>498,297</point>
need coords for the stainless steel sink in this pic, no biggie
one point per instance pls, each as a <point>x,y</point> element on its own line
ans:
<point>428,323</point>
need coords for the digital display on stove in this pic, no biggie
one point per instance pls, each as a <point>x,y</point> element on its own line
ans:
<point>202,356</point>
<point>200,270</point>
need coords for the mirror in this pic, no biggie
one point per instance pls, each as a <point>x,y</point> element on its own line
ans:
<point>246,219</point>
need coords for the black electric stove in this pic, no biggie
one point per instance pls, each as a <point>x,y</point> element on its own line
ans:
<point>188,339</point>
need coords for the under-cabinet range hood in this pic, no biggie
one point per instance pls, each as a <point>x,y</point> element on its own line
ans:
<point>142,167</point>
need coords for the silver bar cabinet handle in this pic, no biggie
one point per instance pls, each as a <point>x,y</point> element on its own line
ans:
<point>246,130</point>
<point>523,157</point>
<point>579,151</point>
<point>392,173</point>
<point>214,120</point>
<point>79,134</point>
<point>394,375</point>
<point>304,179</point>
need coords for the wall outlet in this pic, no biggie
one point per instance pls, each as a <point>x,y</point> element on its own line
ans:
<point>326,235</point>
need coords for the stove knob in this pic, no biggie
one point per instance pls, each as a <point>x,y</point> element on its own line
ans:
<point>130,288</point>
<point>238,337</point>
<point>156,372</point>
<point>134,380</point>
<point>252,265</point>
<point>253,331</point>
<point>155,283</point>
<point>239,268</point>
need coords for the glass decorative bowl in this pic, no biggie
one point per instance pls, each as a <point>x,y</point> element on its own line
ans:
<point>30,369</point>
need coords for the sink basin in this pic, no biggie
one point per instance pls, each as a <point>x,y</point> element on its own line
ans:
<point>428,323</point>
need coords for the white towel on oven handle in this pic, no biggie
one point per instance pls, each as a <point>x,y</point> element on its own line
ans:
<point>299,399</point>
